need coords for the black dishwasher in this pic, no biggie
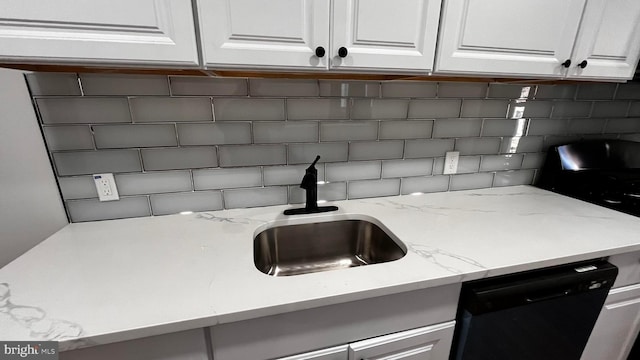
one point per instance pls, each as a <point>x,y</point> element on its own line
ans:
<point>542,314</point>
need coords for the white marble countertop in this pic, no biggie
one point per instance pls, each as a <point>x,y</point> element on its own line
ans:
<point>102,282</point>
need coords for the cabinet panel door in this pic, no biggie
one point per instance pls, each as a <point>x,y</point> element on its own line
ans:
<point>144,32</point>
<point>184,345</point>
<point>506,37</point>
<point>609,40</point>
<point>264,34</point>
<point>431,342</point>
<point>335,353</point>
<point>617,326</point>
<point>387,35</point>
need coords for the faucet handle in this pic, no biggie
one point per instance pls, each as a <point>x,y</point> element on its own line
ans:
<point>315,161</point>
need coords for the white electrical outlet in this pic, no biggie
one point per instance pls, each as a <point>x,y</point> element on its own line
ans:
<point>451,162</point>
<point>106,186</point>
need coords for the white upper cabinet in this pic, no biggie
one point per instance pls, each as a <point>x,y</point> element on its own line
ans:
<point>395,35</point>
<point>608,43</point>
<point>506,37</point>
<point>264,34</point>
<point>374,35</point>
<point>143,32</point>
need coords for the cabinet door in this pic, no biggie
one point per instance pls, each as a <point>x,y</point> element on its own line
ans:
<point>609,40</point>
<point>184,345</point>
<point>506,37</point>
<point>617,326</point>
<point>385,35</point>
<point>431,342</point>
<point>335,353</point>
<point>264,34</point>
<point>144,32</point>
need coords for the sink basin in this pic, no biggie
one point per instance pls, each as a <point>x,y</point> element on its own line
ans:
<point>322,246</point>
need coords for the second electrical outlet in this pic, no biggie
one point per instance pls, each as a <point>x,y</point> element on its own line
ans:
<point>451,162</point>
<point>106,186</point>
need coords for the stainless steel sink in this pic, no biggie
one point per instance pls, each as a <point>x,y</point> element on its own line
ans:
<point>322,246</point>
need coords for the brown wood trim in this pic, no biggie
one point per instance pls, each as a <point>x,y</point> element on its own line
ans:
<point>274,74</point>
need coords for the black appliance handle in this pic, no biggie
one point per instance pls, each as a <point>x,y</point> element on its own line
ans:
<point>532,299</point>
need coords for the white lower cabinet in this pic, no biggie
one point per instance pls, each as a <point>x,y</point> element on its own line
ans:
<point>184,345</point>
<point>619,322</point>
<point>333,353</point>
<point>396,326</point>
<point>431,342</point>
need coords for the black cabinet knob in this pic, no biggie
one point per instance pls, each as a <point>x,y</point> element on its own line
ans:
<point>342,52</point>
<point>583,64</point>
<point>566,63</point>
<point>320,51</point>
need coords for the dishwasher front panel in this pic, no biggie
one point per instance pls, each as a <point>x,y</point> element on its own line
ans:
<point>548,316</point>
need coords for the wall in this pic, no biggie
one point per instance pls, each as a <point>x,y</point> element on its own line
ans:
<point>185,143</point>
<point>30,205</point>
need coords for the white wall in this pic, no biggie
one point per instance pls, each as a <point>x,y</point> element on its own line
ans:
<point>30,205</point>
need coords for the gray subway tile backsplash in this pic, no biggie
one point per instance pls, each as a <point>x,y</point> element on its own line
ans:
<point>93,209</point>
<point>433,109</point>
<point>446,128</point>
<point>244,198</point>
<point>77,137</point>
<point>227,178</point>
<point>153,182</point>
<point>248,109</point>
<point>373,188</point>
<point>306,153</point>
<point>181,109</point>
<point>473,146</point>
<point>283,87</point>
<point>405,168</point>
<point>129,136</point>
<point>374,150</point>
<point>166,204</point>
<point>77,187</point>
<point>501,162</point>
<point>379,109</point>
<point>424,184</point>
<point>484,108</point>
<point>340,88</point>
<point>252,155</point>
<point>274,132</point>
<point>123,84</point>
<point>179,158</point>
<point>186,143</point>
<point>83,110</point>
<point>200,85</point>
<point>53,83</point>
<point>348,130</point>
<point>409,89</point>
<point>317,109</point>
<point>360,170</point>
<point>218,133</point>
<point>568,109</point>
<point>602,91</point>
<point>471,181</point>
<point>586,126</point>
<point>406,129</point>
<point>511,178</point>
<point>427,148</point>
<point>610,108</point>
<point>92,162</point>
<point>462,90</point>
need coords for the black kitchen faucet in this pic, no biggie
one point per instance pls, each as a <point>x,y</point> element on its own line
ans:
<point>310,184</point>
